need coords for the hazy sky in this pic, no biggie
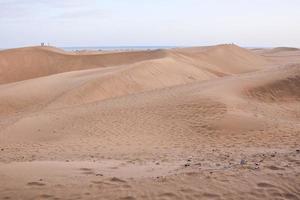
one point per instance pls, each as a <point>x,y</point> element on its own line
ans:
<point>149,22</point>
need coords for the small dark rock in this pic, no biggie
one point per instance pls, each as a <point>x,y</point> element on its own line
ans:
<point>2,149</point>
<point>243,162</point>
<point>298,150</point>
<point>157,163</point>
<point>99,174</point>
<point>67,161</point>
<point>189,160</point>
<point>187,164</point>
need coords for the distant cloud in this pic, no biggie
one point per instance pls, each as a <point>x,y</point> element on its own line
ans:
<point>81,14</point>
<point>67,3</point>
<point>156,22</point>
<point>13,9</point>
<point>54,9</point>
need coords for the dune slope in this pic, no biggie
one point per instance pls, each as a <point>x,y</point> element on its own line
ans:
<point>31,62</point>
<point>189,125</point>
<point>176,67</point>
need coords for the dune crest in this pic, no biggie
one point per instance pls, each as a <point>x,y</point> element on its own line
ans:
<point>32,62</point>
<point>113,77</point>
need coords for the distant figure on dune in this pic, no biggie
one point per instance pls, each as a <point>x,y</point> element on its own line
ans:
<point>45,44</point>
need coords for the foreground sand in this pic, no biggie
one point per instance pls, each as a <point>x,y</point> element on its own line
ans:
<point>216,122</point>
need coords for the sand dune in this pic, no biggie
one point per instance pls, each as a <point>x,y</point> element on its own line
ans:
<point>283,88</point>
<point>31,62</point>
<point>279,49</point>
<point>27,63</point>
<point>280,56</point>
<point>216,122</point>
<point>226,59</point>
<point>180,66</point>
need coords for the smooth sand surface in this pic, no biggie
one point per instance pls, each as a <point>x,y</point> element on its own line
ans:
<point>218,122</point>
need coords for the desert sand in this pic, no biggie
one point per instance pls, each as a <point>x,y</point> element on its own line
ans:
<point>216,122</point>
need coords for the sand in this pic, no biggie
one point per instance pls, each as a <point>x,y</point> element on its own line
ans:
<point>219,122</point>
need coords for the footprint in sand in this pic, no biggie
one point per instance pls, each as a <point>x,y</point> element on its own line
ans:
<point>127,198</point>
<point>86,171</point>
<point>272,167</point>
<point>211,196</point>
<point>35,184</point>
<point>265,185</point>
<point>45,196</point>
<point>169,195</point>
<point>115,179</point>
<point>101,183</point>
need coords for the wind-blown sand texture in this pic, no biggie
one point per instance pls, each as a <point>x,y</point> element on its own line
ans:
<point>219,122</point>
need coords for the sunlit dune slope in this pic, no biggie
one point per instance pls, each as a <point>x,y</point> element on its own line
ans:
<point>231,104</point>
<point>164,69</point>
<point>31,62</point>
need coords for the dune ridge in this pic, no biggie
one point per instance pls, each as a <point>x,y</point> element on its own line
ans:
<point>32,62</point>
<point>173,67</point>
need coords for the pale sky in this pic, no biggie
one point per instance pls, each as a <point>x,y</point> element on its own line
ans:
<point>252,23</point>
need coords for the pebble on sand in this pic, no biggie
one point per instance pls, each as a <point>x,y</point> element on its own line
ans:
<point>243,162</point>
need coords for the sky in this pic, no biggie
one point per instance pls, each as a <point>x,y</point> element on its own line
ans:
<point>70,23</point>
